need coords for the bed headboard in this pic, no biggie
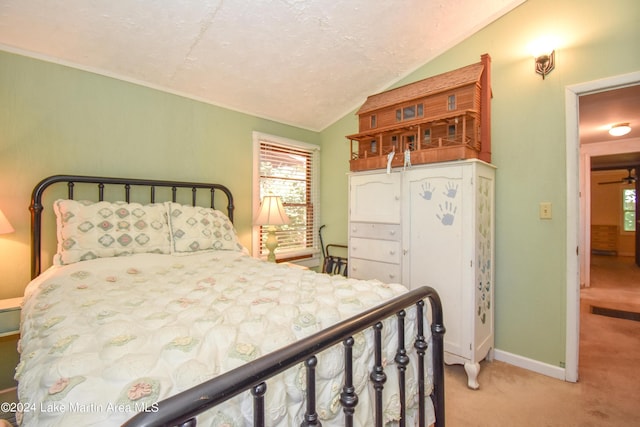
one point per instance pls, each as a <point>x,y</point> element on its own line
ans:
<point>123,187</point>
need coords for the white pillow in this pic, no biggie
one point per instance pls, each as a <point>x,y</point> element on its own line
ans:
<point>88,230</point>
<point>194,229</point>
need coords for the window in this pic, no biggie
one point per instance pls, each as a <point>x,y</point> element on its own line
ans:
<point>452,132</point>
<point>410,112</point>
<point>374,121</point>
<point>629,209</point>
<point>289,169</point>
<point>451,103</point>
<point>426,138</point>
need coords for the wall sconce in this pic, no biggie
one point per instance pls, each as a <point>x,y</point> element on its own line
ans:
<point>545,63</point>
<point>271,214</point>
<point>5,225</point>
<point>620,129</point>
<point>543,50</point>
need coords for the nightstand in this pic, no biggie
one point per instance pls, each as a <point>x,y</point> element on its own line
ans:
<point>9,330</point>
<point>10,316</point>
<point>294,265</point>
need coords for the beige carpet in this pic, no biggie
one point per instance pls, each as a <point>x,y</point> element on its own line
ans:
<point>608,390</point>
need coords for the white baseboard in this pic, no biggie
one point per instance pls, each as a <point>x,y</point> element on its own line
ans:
<point>530,364</point>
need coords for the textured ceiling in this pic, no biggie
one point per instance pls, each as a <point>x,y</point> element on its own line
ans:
<point>301,62</point>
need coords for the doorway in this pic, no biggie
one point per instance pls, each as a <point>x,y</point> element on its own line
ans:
<point>578,176</point>
<point>614,158</point>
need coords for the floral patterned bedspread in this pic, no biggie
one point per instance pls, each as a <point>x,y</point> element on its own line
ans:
<point>104,339</point>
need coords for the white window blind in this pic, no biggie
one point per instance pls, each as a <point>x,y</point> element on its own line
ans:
<point>290,170</point>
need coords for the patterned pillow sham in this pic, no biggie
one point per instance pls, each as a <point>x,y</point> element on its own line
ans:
<point>194,229</point>
<point>88,230</point>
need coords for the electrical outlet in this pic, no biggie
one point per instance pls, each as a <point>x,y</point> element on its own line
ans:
<point>545,210</point>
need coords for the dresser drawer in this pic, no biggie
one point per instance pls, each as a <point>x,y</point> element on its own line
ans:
<point>373,230</point>
<point>366,270</point>
<point>375,250</point>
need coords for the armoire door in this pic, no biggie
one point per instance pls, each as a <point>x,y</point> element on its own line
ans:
<point>435,229</point>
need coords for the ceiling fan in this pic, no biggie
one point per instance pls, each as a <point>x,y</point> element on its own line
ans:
<point>629,179</point>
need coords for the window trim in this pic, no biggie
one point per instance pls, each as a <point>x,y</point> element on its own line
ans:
<point>309,257</point>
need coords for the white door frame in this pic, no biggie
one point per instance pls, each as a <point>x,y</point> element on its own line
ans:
<point>576,210</point>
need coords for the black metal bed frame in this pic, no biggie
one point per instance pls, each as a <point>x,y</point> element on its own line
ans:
<point>182,409</point>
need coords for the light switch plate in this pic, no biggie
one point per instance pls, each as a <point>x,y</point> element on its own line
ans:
<point>545,210</point>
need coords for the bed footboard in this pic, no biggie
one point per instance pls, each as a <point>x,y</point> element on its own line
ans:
<point>181,409</point>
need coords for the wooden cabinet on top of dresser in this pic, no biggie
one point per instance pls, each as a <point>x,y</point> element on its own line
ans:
<point>446,221</point>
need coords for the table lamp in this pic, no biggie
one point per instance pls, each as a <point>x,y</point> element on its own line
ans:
<point>5,226</point>
<point>271,214</point>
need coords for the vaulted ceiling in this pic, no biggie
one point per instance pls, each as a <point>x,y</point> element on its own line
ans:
<point>300,62</point>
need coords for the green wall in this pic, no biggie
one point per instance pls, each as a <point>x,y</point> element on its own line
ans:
<point>597,39</point>
<point>55,119</point>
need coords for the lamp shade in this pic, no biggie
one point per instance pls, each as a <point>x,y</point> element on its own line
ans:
<point>271,212</point>
<point>5,226</point>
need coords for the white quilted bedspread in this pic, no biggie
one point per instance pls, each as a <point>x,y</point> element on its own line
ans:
<point>103,339</point>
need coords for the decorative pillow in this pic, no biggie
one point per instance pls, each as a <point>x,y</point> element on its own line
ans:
<point>194,228</point>
<point>88,230</point>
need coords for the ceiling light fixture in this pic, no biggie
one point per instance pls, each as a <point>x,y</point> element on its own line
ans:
<point>620,129</point>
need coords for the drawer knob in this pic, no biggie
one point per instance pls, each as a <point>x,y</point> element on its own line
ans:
<point>392,232</point>
<point>392,252</point>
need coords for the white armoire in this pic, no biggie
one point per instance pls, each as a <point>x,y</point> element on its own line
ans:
<point>432,225</point>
